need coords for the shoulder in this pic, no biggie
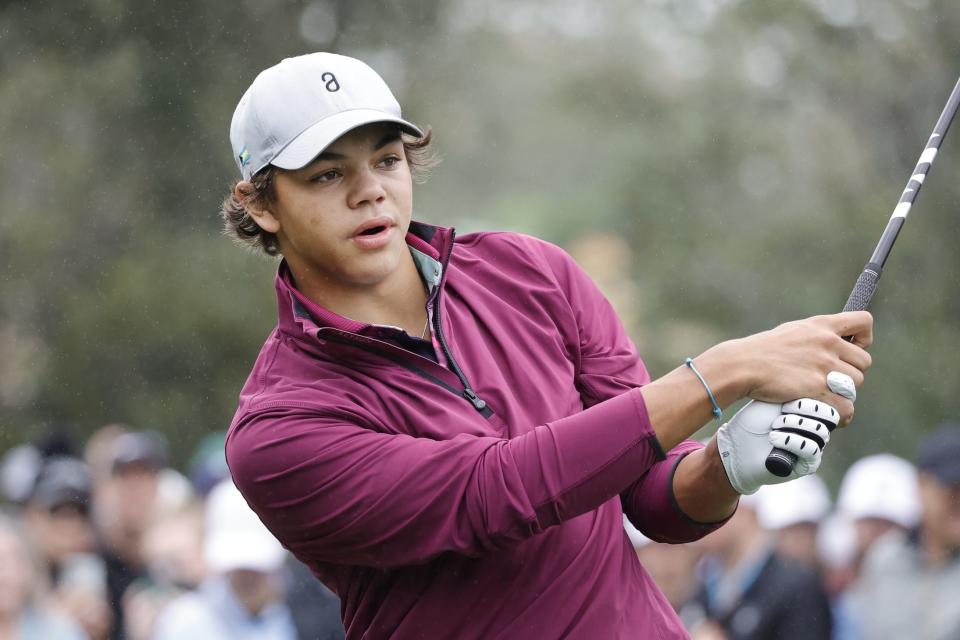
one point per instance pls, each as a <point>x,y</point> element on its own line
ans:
<point>518,254</point>
<point>508,242</point>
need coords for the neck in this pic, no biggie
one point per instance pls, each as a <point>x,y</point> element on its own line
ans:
<point>399,300</point>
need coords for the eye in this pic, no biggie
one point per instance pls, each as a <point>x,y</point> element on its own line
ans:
<point>390,161</point>
<point>326,176</point>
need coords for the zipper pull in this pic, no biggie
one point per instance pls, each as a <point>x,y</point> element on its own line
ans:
<point>474,399</point>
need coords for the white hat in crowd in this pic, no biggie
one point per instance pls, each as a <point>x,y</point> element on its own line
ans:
<point>234,536</point>
<point>805,499</point>
<point>296,108</point>
<point>837,541</point>
<point>880,486</point>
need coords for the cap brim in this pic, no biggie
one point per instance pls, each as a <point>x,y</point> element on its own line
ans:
<point>311,143</point>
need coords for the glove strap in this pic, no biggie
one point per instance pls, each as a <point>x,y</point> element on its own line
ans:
<point>717,411</point>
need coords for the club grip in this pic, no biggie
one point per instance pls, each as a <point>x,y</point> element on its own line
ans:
<point>864,289</point>
<point>780,462</point>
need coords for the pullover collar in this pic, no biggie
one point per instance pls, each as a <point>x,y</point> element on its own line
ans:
<point>298,315</point>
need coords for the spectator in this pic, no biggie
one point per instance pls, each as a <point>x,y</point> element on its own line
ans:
<point>315,609</point>
<point>57,520</point>
<point>126,498</point>
<point>172,550</point>
<point>208,463</point>
<point>242,597</point>
<point>792,512</point>
<point>878,495</point>
<point>57,512</point>
<point>23,613</point>
<point>909,582</point>
<point>81,593</point>
<point>672,566</point>
<point>750,592</point>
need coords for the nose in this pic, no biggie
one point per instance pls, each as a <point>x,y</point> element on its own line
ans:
<point>367,189</point>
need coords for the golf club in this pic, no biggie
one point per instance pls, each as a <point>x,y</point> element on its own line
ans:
<point>779,462</point>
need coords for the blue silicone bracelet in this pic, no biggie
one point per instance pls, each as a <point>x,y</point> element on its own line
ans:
<point>717,411</point>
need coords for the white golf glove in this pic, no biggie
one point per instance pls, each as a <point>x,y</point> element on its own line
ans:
<point>800,427</point>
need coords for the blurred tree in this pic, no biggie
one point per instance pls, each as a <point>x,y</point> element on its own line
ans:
<point>745,155</point>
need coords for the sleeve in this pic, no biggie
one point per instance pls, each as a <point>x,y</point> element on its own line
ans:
<point>606,361</point>
<point>652,507</point>
<point>332,490</point>
<point>608,365</point>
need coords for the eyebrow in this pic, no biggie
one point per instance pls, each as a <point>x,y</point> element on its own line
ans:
<point>390,137</point>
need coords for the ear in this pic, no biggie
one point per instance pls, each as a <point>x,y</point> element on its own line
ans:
<point>263,217</point>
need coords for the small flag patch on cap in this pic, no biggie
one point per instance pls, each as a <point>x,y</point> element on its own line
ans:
<point>244,157</point>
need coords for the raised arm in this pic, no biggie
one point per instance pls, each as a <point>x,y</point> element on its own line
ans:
<point>335,490</point>
<point>681,496</point>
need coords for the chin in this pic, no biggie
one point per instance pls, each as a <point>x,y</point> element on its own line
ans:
<point>375,270</point>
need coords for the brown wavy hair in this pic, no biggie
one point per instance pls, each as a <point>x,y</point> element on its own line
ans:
<point>242,227</point>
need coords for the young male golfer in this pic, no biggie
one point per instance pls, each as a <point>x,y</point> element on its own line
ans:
<point>448,429</point>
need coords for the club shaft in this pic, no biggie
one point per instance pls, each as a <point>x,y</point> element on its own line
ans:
<point>781,462</point>
<point>866,285</point>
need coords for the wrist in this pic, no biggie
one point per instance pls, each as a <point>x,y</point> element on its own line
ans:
<point>727,371</point>
<point>701,487</point>
<point>713,464</point>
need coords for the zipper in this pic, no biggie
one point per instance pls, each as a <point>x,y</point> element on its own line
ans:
<point>478,403</point>
<point>475,400</point>
<point>468,393</point>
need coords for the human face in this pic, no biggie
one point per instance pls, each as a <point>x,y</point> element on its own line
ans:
<point>61,531</point>
<point>342,220</point>
<point>255,589</point>
<point>940,511</point>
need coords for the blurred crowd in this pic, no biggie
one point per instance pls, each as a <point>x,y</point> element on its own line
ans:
<point>883,562</point>
<point>112,542</point>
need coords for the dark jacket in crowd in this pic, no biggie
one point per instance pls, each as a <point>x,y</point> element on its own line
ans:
<point>778,600</point>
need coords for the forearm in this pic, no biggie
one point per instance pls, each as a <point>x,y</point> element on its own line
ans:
<point>336,490</point>
<point>652,503</point>
<point>789,362</point>
<point>701,487</point>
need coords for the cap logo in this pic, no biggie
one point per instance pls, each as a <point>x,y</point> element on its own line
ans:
<point>331,82</point>
<point>244,157</point>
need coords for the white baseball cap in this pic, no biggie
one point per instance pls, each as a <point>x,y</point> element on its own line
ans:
<point>880,486</point>
<point>234,537</point>
<point>805,499</point>
<point>296,108</point>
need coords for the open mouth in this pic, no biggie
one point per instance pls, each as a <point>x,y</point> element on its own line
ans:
<point>372,231</point>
